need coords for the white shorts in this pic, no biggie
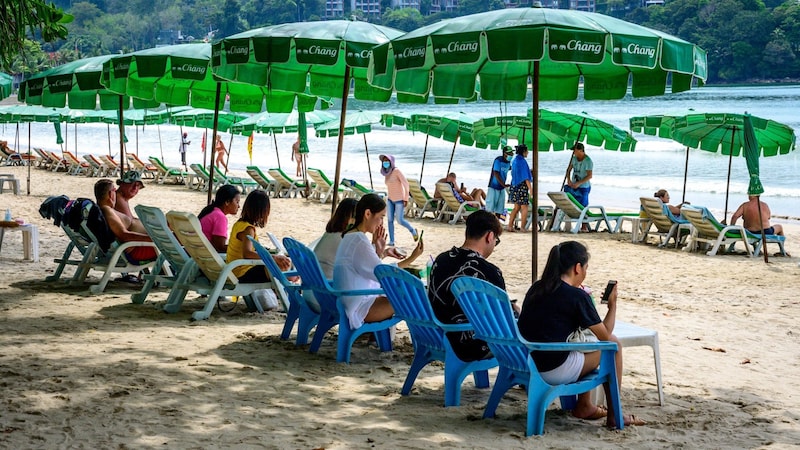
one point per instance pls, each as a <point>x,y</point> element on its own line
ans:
<point>567,372</point>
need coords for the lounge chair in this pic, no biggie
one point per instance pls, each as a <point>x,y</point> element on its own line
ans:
<point>10,157</point>
<point>298,309</point>
<point>96,167</point>
<point>421,201</point>
<point>165,173</point>
<point>488,310</point>
<point>44,161</point>
<point>331,309</point>
<point>707,229</point>
<point>545,214</point>
<point>286,185</point>
<point>263,180</point>
<point>112,167</point>
<point>246,184</point>
<point>96,253</point>
<point>323,186</point>
<point>203,177</point>
<point>452,207</point>
<point>74,165</point>
<point>570,210</point>
<point>57,163</point>
<point>410,302</point>
<point>144,169</point>
<point>667,225</point>
<point>219,279</point>
<point>356,190</point>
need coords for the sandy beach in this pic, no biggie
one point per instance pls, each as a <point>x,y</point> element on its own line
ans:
<point>96,371</point>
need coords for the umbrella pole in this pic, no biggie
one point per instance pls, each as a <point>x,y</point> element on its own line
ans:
<point>75,137</point>
<point>338,174</point>
<point>212,145</point>
<point>424,152</point>
<point>728,185</point>
<point>108,130</point>
<point>136,130</point>
<point>685,174</point>
<point>29,157</point>
<point>161,147</point>
<point>535,199</point>
<point>228,156</point>
<point>369,167</point>
<point>277,155</point>
<point>121,139</point>
<point>763,236</point>
<point>452,153</point>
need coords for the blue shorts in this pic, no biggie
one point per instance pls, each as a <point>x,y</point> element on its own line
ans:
<point>496,200</point>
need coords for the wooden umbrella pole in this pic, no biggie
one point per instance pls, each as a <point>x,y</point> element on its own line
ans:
<point>338,174</point>
<point>29,155</point>
<point>424,153</point>
<point>228,156</point>
<point>108,129</point>
<point>121,138</point>
<point>277,155</point>
<point>369,167</point>
<point>160,146</point>
<point>728,186</point>
<point>763,236</point>
<point>213,141</point>
<point>453,153</point>
<point>535,200</point>
<point>685,174</point>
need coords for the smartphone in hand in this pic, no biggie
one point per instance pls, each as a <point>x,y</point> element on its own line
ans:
<point>607,292</point>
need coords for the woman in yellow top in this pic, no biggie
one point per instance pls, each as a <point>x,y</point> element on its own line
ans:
<point>255,213</point>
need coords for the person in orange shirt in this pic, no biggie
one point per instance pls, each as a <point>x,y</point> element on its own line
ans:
<point>397,200</point>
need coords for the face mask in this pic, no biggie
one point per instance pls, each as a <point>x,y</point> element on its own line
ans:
<point>387,164</point>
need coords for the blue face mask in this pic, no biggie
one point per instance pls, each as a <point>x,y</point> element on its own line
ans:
<point>387,164</point>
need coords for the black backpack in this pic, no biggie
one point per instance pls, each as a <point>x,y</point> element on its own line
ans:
<point>86,209</point>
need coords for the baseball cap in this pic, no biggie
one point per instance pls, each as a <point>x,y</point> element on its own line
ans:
<point>131,176</point>
<point>508,149</point>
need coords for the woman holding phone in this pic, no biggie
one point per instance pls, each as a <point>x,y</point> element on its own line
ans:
<point>554,307</point>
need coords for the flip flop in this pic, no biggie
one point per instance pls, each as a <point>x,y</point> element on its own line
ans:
<point>600,412</point>
<point>629,420</point>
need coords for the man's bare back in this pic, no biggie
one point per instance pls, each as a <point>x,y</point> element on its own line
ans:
<point>749,212</point>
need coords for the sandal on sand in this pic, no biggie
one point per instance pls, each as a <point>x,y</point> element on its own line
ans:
<point>628,420</point>
<point>600,412</point>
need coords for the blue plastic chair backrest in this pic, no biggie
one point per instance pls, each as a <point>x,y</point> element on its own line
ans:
<point>488,310</point>
<point>155,223</point>
<point>307,265</point>
<point>410,302</point>
<point>272,267</point>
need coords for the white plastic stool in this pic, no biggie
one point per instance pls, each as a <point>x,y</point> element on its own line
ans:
<point>9,180</point>
<point>30,240</point>
<point>631,335</point>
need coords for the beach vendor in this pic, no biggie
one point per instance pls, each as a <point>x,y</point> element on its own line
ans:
<point>397,185</point>
<point>482,235</point>
<point>184,145</point>
<point>496,193</point>
<point>521,187</point>
<point>554,307</point>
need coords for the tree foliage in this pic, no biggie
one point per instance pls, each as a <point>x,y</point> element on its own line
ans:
<point>21,17</point>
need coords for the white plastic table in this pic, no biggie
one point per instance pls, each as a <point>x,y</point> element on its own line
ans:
<point>30,240</point>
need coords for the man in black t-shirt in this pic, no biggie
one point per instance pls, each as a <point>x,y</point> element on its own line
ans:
<point>482,235</point>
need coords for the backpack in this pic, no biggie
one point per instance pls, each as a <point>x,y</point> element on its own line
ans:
<point>84,209</point>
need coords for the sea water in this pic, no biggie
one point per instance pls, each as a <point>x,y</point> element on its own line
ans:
<point>619,179</point>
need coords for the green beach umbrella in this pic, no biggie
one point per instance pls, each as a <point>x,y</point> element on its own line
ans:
<point>6,85</point>
<point>556,52</point>
<point>356,122</point>
<point>319,57</point>
<point>720,133</point>
<point>754,187</point>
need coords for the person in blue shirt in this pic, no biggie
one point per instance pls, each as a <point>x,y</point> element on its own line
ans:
<point>496,194</point>
<point>578,185</point>
<point>521,185</point>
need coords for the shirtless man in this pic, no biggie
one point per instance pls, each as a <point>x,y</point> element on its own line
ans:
<point>749,211</point>
<point>129,185</point>
<point>124,227</point>
<point>477,194</point>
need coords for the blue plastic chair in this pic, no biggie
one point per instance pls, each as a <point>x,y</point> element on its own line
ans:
<point>331,309</point>
<point>410,302</point>
<point>489,312</point>
<point>298,311</point>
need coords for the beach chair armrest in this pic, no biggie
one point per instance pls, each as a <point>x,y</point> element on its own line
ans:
<point>570,346</point>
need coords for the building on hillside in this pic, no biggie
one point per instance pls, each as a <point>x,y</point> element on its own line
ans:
<point>443,6</point>
<point>582,5</point>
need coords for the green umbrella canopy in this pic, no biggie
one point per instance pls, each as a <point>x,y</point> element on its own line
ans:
<point>449,126</point>
<point>492,132</point>
<point>181,75</point>
<point>267,122</point>
<point>722,132</point>
<point>75,84</point>
<point>204,118</point>
<point>6,85</point>
<point>294,56</point>
<point>499,47</point>
<point>355,122</point>
<point>554,51</point>
<point>583,127</point>
<point>26,113</point>
<point>144,116</point>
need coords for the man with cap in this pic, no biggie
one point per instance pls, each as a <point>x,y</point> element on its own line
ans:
<point>129,185</point>
<point>496,194</point>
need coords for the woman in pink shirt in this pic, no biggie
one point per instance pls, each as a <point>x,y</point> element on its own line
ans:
<point>397,186</point>
<point>212,217</point>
